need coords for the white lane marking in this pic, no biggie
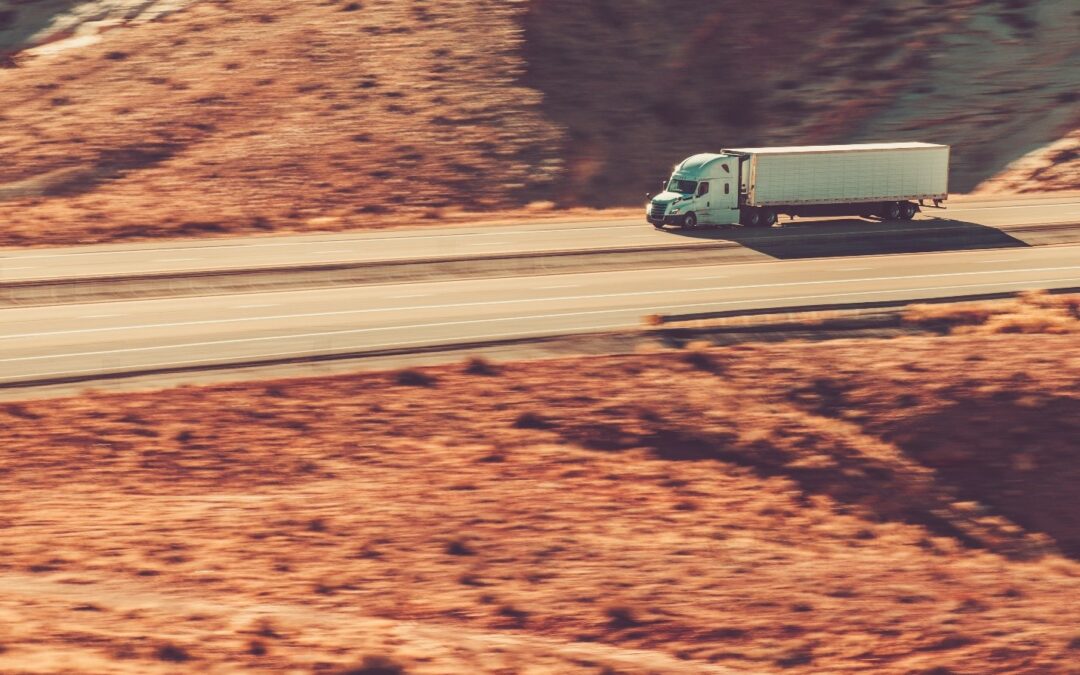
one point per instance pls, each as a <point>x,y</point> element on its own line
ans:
<point>333,252</point>
<point>561,315</point>
<point>409,295</point>
<point>554,286</point>
<point>26,267</point>
<point>488,303</point>
<point>994,262</point>
<point>488,243</point>
<point>712,276</point>
<point>263,306</point>
<point>278,355</point>
<point>100,316</point>
<point>173,260</point>
<point>502,232</point>
<point>853,269</point>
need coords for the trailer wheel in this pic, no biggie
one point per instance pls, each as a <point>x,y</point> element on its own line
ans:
<point>908,210</point>
<point>768,217</point>
<point>690,221</point>
<point>751,217</point>
<point>890,210</point>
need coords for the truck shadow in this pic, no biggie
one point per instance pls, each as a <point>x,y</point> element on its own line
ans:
<point>854,237</point>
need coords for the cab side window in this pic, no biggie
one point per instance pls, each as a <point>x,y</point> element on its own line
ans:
<point>703,189</point>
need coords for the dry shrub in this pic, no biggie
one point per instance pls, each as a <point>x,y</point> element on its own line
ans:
<point>376,665</point>
<point>414,378</point>
<point>173,653</point>
<point>478,365</point>
<point>698,356</point>
<point>621,617</point>
<point>531,420</point>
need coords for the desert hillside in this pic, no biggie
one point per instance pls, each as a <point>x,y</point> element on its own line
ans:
<point>213,117</point>
<point>888,506</point>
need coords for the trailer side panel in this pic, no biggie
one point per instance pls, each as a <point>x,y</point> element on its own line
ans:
<point>875,174</point>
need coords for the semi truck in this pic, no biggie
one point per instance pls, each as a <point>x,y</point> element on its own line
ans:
<point>753,186</point>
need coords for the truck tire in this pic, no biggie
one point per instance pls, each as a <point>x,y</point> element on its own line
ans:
<point>750,217</point>
<point>908,210</point>
<point>768,217</point>
<point>890,211</point>
<point>690,221</point>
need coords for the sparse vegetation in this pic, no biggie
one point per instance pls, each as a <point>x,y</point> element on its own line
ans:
<point>909,496</point>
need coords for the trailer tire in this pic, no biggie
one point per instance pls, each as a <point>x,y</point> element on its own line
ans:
<point>690,221</point>
<point>890,211</point>
<point>908,210</point>
<point>750,217</point>
<point>768,217</point>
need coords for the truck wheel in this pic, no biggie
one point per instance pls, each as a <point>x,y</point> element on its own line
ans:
<point>890,211</point>
<point>768,217</point>
<point>908,210</point>
<point>751,217</point>
<point>690,221</point>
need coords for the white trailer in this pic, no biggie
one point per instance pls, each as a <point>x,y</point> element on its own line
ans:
<point>753,185</point>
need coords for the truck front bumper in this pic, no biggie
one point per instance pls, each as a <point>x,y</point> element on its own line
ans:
<point>666,220</point>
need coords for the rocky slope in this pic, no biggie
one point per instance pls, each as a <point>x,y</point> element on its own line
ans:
<point>47,26</point>
<point>225,117</point>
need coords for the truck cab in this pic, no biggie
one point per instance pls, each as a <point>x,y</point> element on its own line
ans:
<point>702,190</point>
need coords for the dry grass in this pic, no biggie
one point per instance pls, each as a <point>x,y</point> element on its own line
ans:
<point>889,505</point>
<point>1031,312</point>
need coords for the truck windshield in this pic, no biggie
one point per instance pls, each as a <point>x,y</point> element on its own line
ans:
<point>686,187</point>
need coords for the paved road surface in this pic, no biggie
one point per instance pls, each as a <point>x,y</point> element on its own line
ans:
<point>971,219</point>
<point>44,342</point>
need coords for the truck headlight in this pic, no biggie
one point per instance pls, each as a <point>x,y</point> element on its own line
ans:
<point>674,212</point>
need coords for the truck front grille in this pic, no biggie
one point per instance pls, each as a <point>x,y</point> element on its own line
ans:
<point>658,210</point>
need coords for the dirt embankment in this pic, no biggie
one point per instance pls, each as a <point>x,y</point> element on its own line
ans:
<point>898,506</point>
<point>228,118</point>
<point>1055,167</point>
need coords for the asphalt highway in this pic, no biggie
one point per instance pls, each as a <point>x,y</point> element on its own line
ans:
<point>39,343</point>
<point>986,222</point>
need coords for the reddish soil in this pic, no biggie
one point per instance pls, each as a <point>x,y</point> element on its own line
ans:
<point>894,506</point>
